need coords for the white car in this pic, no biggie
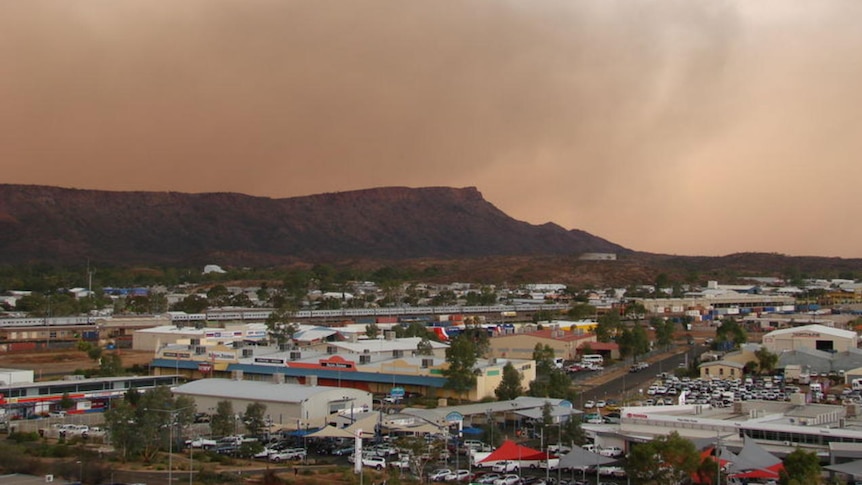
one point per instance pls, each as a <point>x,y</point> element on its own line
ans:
<point>458,476</point>
<point>589,405</point>
<point>510,479</point>
<point>612,452</point>
<point>505,466</point>
<point>440,474</point>
<point>374,462</point>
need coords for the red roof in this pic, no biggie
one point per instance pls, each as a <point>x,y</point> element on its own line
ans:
<point>566,336</point>
<point>510,450</point>
<point>603,345</point>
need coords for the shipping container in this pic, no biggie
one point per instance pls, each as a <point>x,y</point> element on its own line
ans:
<point>387,319</point>
<point>21,346</point>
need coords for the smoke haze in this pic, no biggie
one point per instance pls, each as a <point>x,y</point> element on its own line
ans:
<point>689,127</point>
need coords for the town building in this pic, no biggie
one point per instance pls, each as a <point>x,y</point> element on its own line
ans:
<point>286,403</point>
<point>566,344</point>
<point>811,337</point>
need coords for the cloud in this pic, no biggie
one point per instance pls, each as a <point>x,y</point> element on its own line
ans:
<point>669,126</point>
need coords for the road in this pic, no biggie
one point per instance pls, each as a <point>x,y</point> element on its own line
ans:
<point>631,383</point>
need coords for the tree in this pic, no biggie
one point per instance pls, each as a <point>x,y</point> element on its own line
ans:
<point>730,334</point>
<point>191,304</point>
<point>66,402</point>
<point>666,460</point>
<point>424,347</point>
<point>544,356</point>
<point>640,341</point>
<point>254,418</point>
<point>766,360</point>
<point>663,331</point>
<point>143,429</point>
<point>372,330</point>
<point>800,468</point>
<point>223,421</point>
<point>608,326</point>
<point>510,384</point>
<point>421,452</point>
<point>461,357</point>
<point>572,433</point>
<point>281,330</point>
<point>580,311</point>
<point>111,365</point>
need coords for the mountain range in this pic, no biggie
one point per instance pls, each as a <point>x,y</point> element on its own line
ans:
<point>52,224</point>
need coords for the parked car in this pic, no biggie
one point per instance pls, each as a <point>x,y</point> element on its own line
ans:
<point>612,452</point>
<point>374,462</point>
<point>440,474</point>
<point>505,466</point>
<point>458,476</point>
<point>287,455</point>
<point>510,479</point>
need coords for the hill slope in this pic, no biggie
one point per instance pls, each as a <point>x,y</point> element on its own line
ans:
<point>39,223</point>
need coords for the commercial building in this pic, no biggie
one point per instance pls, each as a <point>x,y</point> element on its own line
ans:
<point>375,367</point>
<point>286,404</point>
<point>566,344</point>
<point>811,337</point>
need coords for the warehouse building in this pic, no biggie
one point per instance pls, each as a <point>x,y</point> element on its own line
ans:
<point>286,404</point>
<point>810,337</point>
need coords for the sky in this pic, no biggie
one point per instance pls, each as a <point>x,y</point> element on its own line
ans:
<point>691,127</point>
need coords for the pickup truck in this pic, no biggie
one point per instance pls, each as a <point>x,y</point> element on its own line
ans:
<point>202,443</point>
<point>402,463</point>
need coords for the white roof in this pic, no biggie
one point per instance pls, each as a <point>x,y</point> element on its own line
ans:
<point>383,345</point>
<point>835,332</point>
<point>261,391</point>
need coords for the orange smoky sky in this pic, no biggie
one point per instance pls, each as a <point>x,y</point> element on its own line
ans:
<point>683,127</point>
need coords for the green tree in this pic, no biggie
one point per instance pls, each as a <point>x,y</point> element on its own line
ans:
<point>111,365</point>
<point>510,384</point>
<point>223,421</point>
<point>666,460</point>
<point>281,329</point>
<point>372,331</point>
<point>663,331</point>
<point>571,433</point>
<point>254,418</point>
<point>544,356</point>
<point>609,325</point>
<point>424,347</point>
<point>640,341</point>
<point>801,468</point>
<point>766,360</point>
<point>66,402</point>
<point>461,357</point>
<point>143,429</point>
<point>191,304</point>
<point>731,332</point>
<point>581,311</point>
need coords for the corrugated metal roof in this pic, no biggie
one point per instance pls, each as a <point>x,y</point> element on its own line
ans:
<point>262,391</point>
<point>428,381</point>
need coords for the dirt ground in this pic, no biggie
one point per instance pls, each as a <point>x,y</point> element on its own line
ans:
<point>54,363</point>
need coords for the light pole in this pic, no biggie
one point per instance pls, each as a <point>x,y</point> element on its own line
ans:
<point>172,416</point>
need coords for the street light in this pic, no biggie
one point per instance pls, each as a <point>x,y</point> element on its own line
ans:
<point>172,413</point>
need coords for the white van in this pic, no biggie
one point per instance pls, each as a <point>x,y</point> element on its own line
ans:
<point>593,359</point>
<point>857,384</point>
